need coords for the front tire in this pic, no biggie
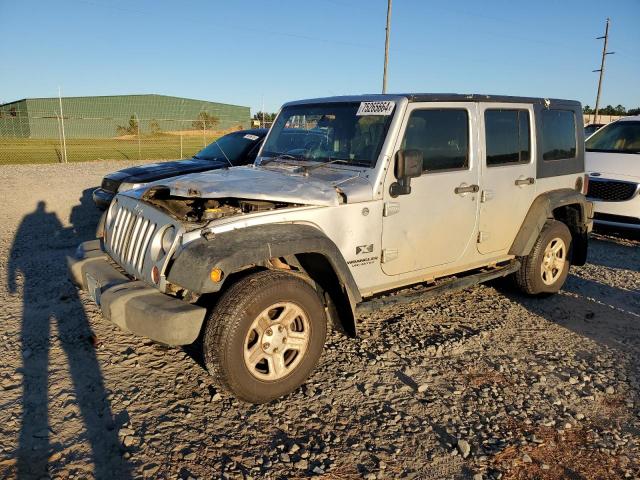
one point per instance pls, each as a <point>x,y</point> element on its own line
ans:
<point>265,335</point>
<point>545,269</point>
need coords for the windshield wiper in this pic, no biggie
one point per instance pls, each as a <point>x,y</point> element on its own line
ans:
<point>344,161</point>
<point>279,156</point>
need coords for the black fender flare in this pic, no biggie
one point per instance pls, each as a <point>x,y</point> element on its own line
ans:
<point>542,210</point>
<point>238,249</point>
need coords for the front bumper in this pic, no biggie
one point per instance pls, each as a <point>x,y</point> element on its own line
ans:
<point>625,214</point>
<point>133,305</point>
<point>102,198</point>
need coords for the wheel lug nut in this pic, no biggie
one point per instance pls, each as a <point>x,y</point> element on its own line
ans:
<point>266,346</point>
<point>280,328</point>
<point>275,350</point>
<point>269,332</point>
<point>284,339</point>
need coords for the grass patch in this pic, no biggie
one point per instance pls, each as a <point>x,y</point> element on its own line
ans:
<point>152,147</point>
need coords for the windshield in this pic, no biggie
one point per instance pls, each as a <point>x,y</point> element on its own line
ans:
<point>618,137</point>
<point>235,145</point>
<point>332,132</point>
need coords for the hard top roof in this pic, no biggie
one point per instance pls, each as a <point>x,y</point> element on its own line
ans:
<point>437,97</point>
<point>631,118</point>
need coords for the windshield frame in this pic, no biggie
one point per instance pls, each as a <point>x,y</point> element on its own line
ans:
<point>603,131</point>
<point>286,157</point>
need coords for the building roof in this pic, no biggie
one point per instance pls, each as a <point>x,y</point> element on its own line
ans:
<point>117,96</point>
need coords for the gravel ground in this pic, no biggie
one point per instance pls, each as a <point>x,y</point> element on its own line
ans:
<point>483,383</point>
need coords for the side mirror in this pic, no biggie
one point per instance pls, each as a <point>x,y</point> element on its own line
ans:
<point>408,166</point>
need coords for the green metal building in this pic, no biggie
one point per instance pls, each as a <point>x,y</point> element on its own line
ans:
<point>117,115</point>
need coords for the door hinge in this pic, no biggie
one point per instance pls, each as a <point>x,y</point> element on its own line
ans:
<point>483,237</point>
<point>389,254</point>
<point>390,208</point>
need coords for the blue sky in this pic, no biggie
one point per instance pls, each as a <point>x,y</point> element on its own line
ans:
<point>242,52</point>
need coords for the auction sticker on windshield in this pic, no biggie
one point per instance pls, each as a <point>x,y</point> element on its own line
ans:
<point>251,137</point>
<point>375,108</point>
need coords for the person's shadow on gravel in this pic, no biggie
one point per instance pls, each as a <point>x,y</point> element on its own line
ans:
<point>38,256</point>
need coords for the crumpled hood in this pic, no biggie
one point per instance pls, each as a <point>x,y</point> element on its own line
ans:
<point>322,186</point>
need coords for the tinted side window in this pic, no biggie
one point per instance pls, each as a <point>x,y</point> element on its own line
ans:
<point>507,136</point>
<point>443,137</point>
<point>558,134</point>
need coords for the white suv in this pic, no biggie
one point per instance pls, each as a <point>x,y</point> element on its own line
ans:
<point>613,163</point>
<point>349,198</point>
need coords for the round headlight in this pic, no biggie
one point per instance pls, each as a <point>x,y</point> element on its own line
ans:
<point>162,242</point>
<point>168,236</point>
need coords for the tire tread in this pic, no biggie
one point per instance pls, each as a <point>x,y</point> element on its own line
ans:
<point>526,277</point>
<point>224,321</point>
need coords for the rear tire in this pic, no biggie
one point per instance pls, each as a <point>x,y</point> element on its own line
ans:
<point>545,269</point>
<point>265,335</point>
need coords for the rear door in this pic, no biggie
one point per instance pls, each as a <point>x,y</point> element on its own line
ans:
<point>508,173</point>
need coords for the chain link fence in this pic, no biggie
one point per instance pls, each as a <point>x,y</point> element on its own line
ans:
<point>45,137</point>
<point>590,118</point>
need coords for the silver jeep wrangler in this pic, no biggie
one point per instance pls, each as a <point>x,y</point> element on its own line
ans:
<point>349,198</point>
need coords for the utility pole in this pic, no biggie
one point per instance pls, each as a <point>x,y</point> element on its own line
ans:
<point>386,47</point>
<point>601,70</point>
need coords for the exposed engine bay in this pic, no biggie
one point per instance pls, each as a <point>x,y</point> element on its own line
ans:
<point>202,210</point>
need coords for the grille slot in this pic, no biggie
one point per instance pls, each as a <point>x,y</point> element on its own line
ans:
<point>611,190</point>
<point>129,238</point>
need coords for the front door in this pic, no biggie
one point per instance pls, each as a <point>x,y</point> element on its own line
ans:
<point>435,223</point>
<point>508,173</point>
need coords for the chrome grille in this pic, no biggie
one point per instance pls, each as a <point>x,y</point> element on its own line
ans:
<point>128,238</point>
<point>611,190</point>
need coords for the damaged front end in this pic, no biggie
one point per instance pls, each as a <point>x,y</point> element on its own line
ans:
<point>147,229</point>
<point>200,211</point>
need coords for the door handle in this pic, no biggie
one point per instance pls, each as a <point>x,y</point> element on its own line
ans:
<point>525,181</point>
<point>464,188</point>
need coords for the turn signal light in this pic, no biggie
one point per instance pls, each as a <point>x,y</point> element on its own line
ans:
<point>216,275</point>
<point>155,275</point>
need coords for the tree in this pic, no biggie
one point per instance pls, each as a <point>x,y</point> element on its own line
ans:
<point>205,121</point>
<point>268,117</point>
<point>587,110</point>
<point>130,129</point>
<point>154,126</point>
<point>620,110</point>
<point>633,111</point>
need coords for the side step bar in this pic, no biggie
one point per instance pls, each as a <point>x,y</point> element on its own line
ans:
<point>445,287</point>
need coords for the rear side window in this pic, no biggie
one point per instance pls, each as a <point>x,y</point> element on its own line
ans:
<point>558,134</point>
<point>443,137</point>
<point>507,137</point>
